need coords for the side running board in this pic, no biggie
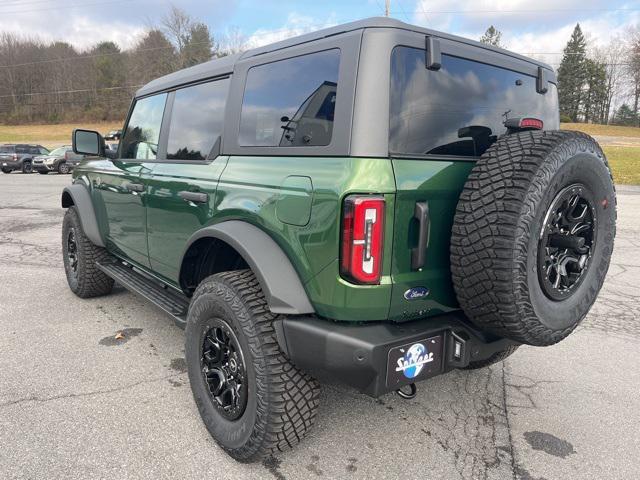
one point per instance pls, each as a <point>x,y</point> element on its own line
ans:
<point>171,302</point>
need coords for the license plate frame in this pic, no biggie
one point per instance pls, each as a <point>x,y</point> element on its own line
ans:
<point>415,361</point>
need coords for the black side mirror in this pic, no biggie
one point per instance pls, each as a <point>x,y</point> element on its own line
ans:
<point>88,142</point>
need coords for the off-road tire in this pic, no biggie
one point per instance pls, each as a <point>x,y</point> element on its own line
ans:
<point>495,358</point>
<point>282,400</point>
<point>63,168</point>
<point>6,170</point>
<point>27,167</point>
<point>499,220</point>
<point>88,281</point>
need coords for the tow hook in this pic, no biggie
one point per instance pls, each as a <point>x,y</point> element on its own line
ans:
<point>408,396</point>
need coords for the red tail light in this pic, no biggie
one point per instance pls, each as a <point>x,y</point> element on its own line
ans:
<point>362,239</point>
<point>531,123</point>
<point>15,157</point>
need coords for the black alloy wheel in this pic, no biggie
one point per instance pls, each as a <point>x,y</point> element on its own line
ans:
<point>72,252</point>
<point>567,241</point>
<point>224,371</point>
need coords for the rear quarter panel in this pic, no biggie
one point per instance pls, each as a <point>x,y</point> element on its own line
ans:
<point>257,189</point>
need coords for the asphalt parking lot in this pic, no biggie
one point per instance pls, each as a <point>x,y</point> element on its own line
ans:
<point>75,403</point>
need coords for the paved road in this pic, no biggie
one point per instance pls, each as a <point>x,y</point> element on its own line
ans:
<point>74,405</point>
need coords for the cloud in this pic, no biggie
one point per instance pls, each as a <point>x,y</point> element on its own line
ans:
<point>539,30</point>
<point>296,24</point>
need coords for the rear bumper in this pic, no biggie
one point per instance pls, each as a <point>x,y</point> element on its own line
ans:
<point>359,354</point>
<point>10,164</point>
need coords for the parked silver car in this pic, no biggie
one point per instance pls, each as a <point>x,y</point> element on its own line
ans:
<point>61,160</point>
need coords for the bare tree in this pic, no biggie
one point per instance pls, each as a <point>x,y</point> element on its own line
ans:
<point>612,57</point>
<point>177,24</point>
<point>233,41</point>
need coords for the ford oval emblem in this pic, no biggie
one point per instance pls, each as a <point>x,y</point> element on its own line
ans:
<point>416,293</point>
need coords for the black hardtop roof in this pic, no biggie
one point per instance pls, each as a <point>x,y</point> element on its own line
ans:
<point>224,65</point>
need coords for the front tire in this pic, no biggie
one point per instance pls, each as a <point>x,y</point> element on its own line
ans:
<point>80,255</point>
<point>27,167</point>
<point>253,401</point>
<point>63,168</point>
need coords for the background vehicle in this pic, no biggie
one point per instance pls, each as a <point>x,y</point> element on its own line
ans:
<point>19,156</point>
<point>61,160</point>
<point>113,135</point>
<point>375,201</point>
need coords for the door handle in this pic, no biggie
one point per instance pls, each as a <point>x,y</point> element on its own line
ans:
<point>135,187</point>
<point>195,197</point>
<point>419,253</point>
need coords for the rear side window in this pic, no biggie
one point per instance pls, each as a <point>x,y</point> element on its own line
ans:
<point>459,109</point>
<point>196,120</point>
<point>291,102</point>
<point>143,130</point>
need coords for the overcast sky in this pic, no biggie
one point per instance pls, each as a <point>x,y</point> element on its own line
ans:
<point>540,27</point>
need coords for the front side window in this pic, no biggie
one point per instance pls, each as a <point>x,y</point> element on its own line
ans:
<point>196,120</point>
<point>291,102</point>
<point>460,109</point>
<point>140,140</point>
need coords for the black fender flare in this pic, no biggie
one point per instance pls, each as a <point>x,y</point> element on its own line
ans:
<point>280,282</point>
<point>78,195</point>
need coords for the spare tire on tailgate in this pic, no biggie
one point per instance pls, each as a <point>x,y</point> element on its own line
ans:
<point>533,234</point>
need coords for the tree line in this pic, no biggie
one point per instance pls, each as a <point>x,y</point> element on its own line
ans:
<point>55,82</point>
<point>592,82</point>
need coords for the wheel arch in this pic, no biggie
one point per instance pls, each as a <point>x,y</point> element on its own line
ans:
<point>280,282</point>
<point>78,196</point>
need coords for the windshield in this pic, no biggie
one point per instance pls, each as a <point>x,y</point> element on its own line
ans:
<point>59,151</point>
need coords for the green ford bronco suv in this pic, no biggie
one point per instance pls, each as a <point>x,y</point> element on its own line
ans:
<point>375,202</point>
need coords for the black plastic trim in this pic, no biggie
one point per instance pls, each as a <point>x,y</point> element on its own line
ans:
<point>357,354</point>
<point>279,280</point>
<point>81,199</point>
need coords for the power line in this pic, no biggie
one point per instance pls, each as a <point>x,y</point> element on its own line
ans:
<point>59,7</point>
<point>82,90</point>
<point>538,10</point>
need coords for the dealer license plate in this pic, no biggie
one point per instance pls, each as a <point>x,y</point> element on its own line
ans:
<point>414,361</point>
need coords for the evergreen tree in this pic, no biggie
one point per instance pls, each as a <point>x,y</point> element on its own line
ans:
<point>198,45</point>
<point>492,37</point>
<point>572,74</point>
<point>625,116</point>
<point>594,98</point>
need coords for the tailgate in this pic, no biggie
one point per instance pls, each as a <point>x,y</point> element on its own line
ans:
<point>435,186</point>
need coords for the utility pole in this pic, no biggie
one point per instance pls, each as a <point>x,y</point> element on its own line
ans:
<point>386,7</point>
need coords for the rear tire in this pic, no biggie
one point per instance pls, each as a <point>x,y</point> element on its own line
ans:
<point>275,403</point>
<point>6,170</point>
<point>80,255</point>
<point>533,235</point>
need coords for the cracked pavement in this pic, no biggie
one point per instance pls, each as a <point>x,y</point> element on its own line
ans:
<point>76,404</point>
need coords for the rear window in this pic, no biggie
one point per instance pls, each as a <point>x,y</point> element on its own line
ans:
<point>196,120</point>
<point>291,102</point>
<point>459,109</point>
